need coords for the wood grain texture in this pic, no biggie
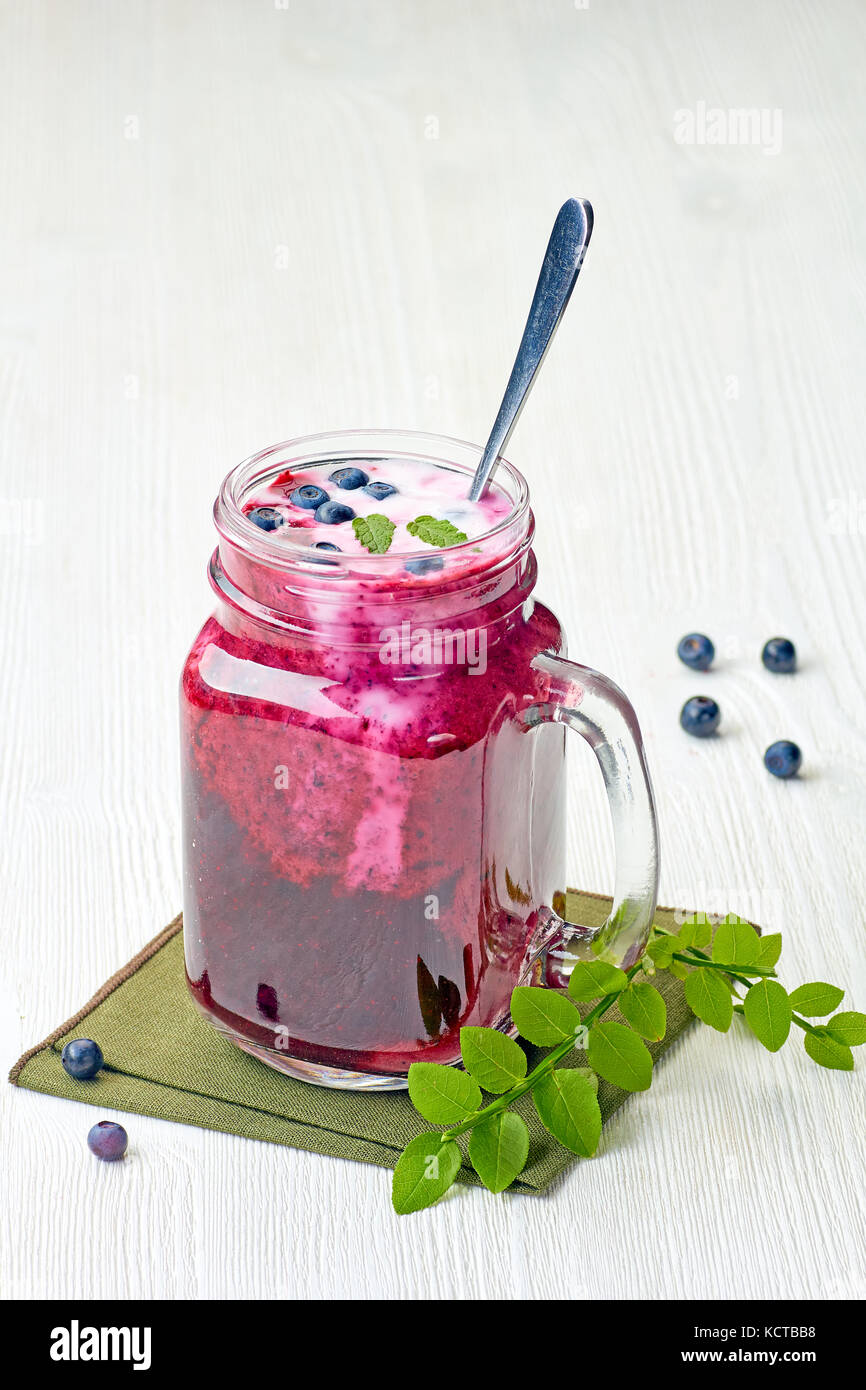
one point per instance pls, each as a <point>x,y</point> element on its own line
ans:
<point>224,225</point>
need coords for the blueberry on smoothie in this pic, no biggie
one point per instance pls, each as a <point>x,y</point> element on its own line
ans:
<point>700,716</point>
<point>82,1058</point>
<point>348,478</point>
<point>427,564</point>
<point>783,758</point>
<point>779,655</point>
<point>696,650</point>
<point>380,490</point>
<point>308,496</point>
<point>334,513</point>
<point>324,545</point>
<point>268,518</point>
<point>108,1141</point>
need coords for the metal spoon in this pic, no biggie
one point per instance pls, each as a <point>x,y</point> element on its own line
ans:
<point>559,271</point>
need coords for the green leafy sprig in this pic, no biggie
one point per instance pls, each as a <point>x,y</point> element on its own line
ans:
<point>435,531</point>
<point>730,972</point>
<point>375,532</point>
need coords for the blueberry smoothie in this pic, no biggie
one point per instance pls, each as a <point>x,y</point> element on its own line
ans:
<point>372,826</point>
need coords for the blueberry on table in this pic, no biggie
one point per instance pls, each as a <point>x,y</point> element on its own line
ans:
<point>308,496</point>
<point>427,564</point>
<point>82,1058</point>
<point>268,518</point>
<point>700,716</point>
<point>333,513</point>
<point>348,478</point>
<point>380,490</point>
<point>696,651</point>
<point>783,758</point>
<point>779,655</point>
<point>108,1141</point>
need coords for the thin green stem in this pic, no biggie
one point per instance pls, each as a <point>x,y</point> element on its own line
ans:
<point>546,1065</point>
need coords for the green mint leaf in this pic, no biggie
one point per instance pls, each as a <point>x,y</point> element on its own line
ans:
<point>542,1016</point>
<point>849,1029</point>
<point>709,997</point>
<point>495,1061</point>
<point>568,1108</point>
<point>443,1095</point>
<point>425,1170</point>
<point>816,999</point>
<point>590,979</point>
<point>429,1000</point>
<point>433,531</point>
<point>769,951</point>
<point>736,942</point>
<point>827,1052</point>
<point>375,532</point>
<point>643,1007</point>
<point>661,951</point>
<point>618,1055</point>
<point>498,1150</point>
<point>767,1011</point>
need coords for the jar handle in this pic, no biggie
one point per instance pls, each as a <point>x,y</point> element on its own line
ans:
<point>591,704</point>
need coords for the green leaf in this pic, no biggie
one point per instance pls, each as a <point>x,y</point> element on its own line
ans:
<point>816,998</point>
<point>496,1062</point>
<point>643,1007</point>
<point>443,1095</point>
<point>827,1052</point>
<point>661,950</point>
<point>542,1016</point>
<point>767,1010</point>
<point>736,942</point>
<point>708,996</point>
<point>703,930</point>
<point>590,979</point>
<point>769,951</point>
<point>425,1169</point>
<point>498,1150</point>
<point>567,1106</point>
<point>679,970</point>
<point>374,531</point>
<point>618,1055</point>
<point>849,1029</point>
<point>433,531</point>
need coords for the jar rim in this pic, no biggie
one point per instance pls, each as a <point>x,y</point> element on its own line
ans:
<point>235,527</point>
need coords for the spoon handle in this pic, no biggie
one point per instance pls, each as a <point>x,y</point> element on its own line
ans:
<point>559,271</point>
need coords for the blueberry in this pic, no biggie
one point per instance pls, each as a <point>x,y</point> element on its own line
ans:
<point>266,517</point>
<point>380,490</point>
<point>82,1058</point>
<point>348,478</point>
<point>428,564</point>
<point>324,545</point>
<point>309,497</point>
<point>783,758</point>
<point>107,1140</point>
<point>696,651</point>
<point>700,716</point>
<point>333,513</point>
<point>779,655</point>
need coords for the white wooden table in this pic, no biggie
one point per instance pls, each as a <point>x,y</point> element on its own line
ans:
<point>224,225</point>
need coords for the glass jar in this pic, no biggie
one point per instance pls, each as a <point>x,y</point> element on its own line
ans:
<point>374,783</point>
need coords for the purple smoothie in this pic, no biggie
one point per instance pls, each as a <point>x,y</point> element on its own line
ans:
<point>371,828</point>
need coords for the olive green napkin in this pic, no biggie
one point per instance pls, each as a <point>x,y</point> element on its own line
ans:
<point>163,1059</point>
